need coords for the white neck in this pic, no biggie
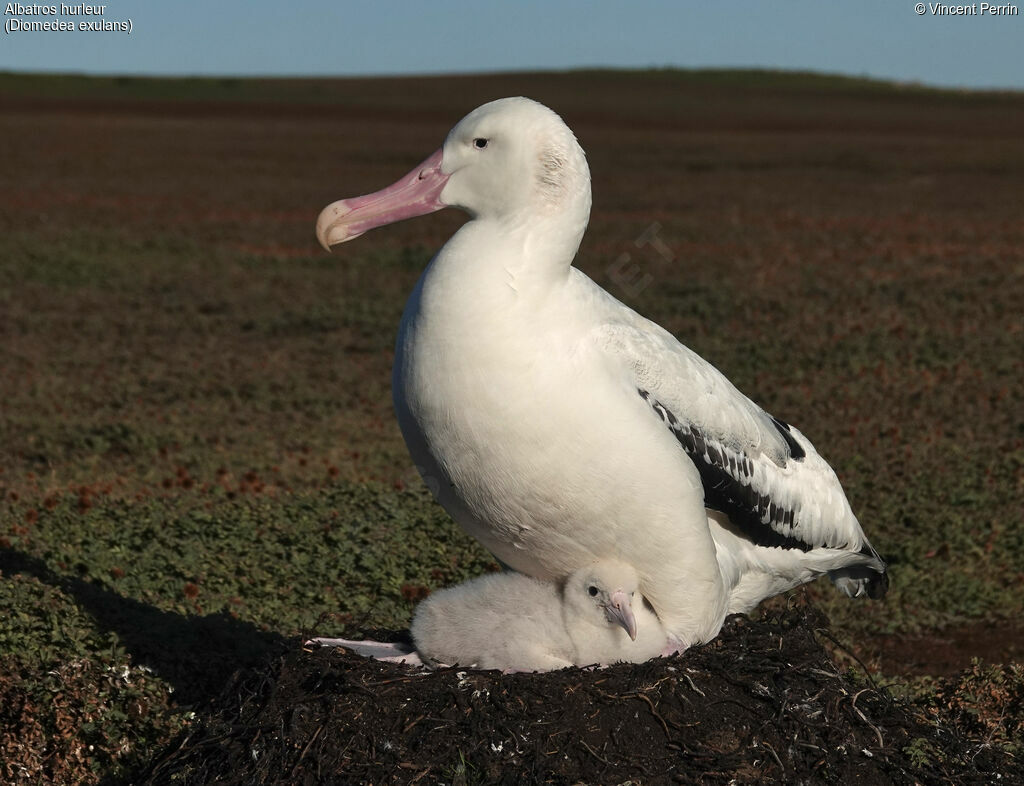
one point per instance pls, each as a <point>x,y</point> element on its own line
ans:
<point>530,250</point>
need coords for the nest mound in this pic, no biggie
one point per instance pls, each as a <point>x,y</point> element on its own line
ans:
<point>763,703</point>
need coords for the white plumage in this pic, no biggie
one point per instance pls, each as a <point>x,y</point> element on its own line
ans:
<point>514,622</point>
<point>559,427</point>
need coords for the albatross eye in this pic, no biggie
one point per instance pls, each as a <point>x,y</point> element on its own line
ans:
<point>479,143</point>
<point>592,590</point>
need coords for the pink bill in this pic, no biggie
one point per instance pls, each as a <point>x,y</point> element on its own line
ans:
<point>417,193</point>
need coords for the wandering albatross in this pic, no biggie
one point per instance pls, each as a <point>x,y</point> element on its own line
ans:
<point>514,622</point>
<point>559,427</point>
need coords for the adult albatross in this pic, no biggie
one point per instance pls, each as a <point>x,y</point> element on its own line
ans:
<point>559,427</point>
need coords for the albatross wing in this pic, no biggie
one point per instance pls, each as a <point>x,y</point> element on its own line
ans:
<point>766,477</point>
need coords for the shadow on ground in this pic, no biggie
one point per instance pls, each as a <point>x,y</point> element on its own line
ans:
<point>197,655</point>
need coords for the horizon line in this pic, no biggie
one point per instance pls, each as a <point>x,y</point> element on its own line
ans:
<point>893,82</point>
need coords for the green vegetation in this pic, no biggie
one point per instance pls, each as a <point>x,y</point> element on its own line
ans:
<point>198,459</point>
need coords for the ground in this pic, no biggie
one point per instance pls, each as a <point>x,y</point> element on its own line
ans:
<point>199,463</point>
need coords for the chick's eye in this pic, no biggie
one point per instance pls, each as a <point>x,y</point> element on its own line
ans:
<point>479,143</point>
<point>592,590</point>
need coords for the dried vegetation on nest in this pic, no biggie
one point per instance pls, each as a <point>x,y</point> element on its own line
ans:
<point>763,703</point>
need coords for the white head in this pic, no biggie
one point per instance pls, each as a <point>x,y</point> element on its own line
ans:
<point>511,161</point>
<point>604,593</point>
<point>514,156</point>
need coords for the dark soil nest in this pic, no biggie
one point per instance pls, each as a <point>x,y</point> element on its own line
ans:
<point>763,703</point>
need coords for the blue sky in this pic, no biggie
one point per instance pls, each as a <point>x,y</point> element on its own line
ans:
<point>880,38</point>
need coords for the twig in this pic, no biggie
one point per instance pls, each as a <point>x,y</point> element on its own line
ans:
<point>305,750</point>
<point>654,712</point>
<point>857,696</point>
<point>647,699</point>
<point>863,717</point>
<point>694,687</point>
<point>775,756</point>
<point>410,678</point>
<point>824,632</point>
<point>594,753</point>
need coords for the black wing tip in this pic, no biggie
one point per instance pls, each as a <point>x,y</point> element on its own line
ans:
<point>796,451</point>
<point>877,585</point>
